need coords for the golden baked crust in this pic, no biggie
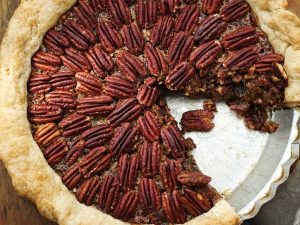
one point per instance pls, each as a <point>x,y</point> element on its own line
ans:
<point>31,175</point>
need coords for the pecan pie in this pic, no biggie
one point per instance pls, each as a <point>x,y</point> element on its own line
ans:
<point>86,132</point>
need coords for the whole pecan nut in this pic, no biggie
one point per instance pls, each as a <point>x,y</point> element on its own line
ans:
<point>119,87</point>
<point>149,126</point>
<point>188,19</point>
<point>75,60</point>
<point>85,13</point>
<point>266,63</point>
<point>64,99</point>
<point>42,113</point>
<point>193,179</point>
<point>46,134</point>
<point>180,76</point>
<point>242,59</point>
<point>75,152</point>
<point>169,170</point>
<point>211,6</point>
<point>128,170</point>
<point>149,195</point>
<point>56,42</point>
<point>109,194</point>
<point>198,120</point>
<point>127,205</point>
<point>72,177</point>
<point>146,13</point>
<point>88,190</point>
<point>119,12</point>
<point>150,156</point>
<point>95,105</point>
<point>234,10</point>
<point>147,95</point>
<point>39,83</point>
<point>56,151</point>
<point>63,80</point>
<point>88,84</point>
<point>46,61</point>
<point>155,61</point>
<point>74,124</point>
<point>173,207</point>
<point>133,38</point>
<point>96,136</point>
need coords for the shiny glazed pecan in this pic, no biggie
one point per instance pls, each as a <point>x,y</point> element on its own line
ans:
<point>173,207</point>
<point>133,38</point>
<point>88,190</point>
<point>168,6</point>
<point>180,48</point>
<point>95,105</point>
<point>85,13</point>
<point>188,19</point>
<point>125,111</point>
<point>266,63</point>
<point>146,12</point>
<point>162,32</point>
<point>96,136</point>
<point>74,124</point>
<point>147,94</point>
<point>56,42</point>
<point>75,60</point>
<point>169,170</point>
<point>128,170</point>
<point>205,54</point>
<point>119,12</point>
<point>64,99</point>
<point>149,126</point>
<point>109,37</point>
<point>56,151</point>
<point>46,61</point>
<point>109,193</point>
<point>101,62</point>
<point>198,120</point>
<point>149,195</point>
<point>150,156</point>
<point>39,83</point>
<point>180,76</point>
<point>63,80</point>
<point>46,134</point>
<point>97,160</point>
<point>193,179</point>
<point>119,87</point>
<point>234,10</point>
<point>127,205</point>
<point>210,28</point>
<point>72,177</point>
<point>124,139</point>
<point>240,38</point>
<point>155,61</point>
<point>130,66</point>
<point>211,6</point>
<point>42,113</point>
<point>242,59</point>
<point>75,152</point>
<point>88,84</point>
<point>173,141</point>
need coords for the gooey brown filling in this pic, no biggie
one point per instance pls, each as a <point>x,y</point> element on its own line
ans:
<point>97,107</point>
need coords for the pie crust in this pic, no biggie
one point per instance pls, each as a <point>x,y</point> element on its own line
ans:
<point>31,175</point>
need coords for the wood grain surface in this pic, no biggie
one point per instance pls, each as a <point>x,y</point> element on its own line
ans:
<point>15,210</point>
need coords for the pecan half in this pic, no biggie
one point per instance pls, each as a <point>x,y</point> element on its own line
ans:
<point>88,84</point>
<point>42,113</point>
<point>198,120</point>
<point>109,193</point>
<point>96,136</point>
<point>195,203</point>
<point>150,156</point>
<point>240,38</point>
<point>64,99</point>
<point>87,191</point>
<point>211,6</point>
<point>98,5</point>
<point>210,28</point>
<point>193,179</point>
<point>125,111</point>
<point>63,80</point>
<point>173,207</point>
<point>205,54</point>
<point>168,6</point>
<point>147,95</point>
<point>75,60</point>
<point>169,170</point>
<point>242,59</point>
<point>128,170</point>
<point>39,83</point>
<point>72,177</point>
<point>74,124</point>
<point>119,12</point>
<point>146,12</point>
<point>180,48</point>
<point>80,36</point>
<point>46,61</point>
<point>127,205</point>
<point>124,139</point>
<point>149,195</point>
<point>95,162</point>
<point>96,105</point>
<point>56,151</point>
<point>109,37</point>
<point>234,10</point>
<point>119,87</point>
<point>133,38</point>
<point>130,66</point>
<point>188,18</point>
<point>156,61</point>
<point>265,64</point>
<point>46,134</point>
<point>100,61</point>
<point>75,152</point>
<point>179,76</point>
<point>149,126</point>
<point>85,13</point>
<point>162,32</point>
<point>56,42</point>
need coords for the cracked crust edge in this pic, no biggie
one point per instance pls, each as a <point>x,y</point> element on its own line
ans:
<point>32,177</point>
